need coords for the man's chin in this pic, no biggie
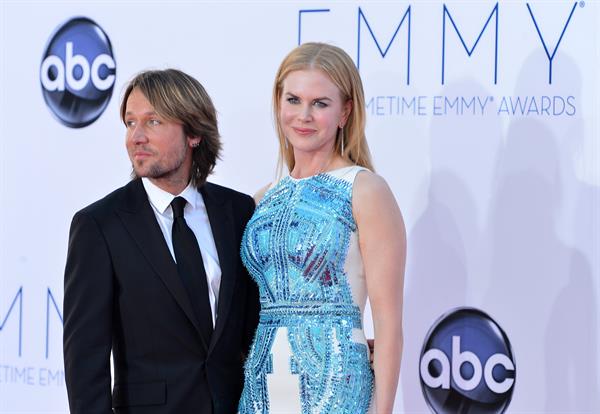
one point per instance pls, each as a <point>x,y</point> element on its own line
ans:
<point>140,172</point>
<point>147,173</point>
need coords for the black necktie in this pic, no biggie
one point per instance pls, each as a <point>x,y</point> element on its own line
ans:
<point>191,268</point>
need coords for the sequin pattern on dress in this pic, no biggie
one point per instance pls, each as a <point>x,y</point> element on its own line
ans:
<point>295,247</point>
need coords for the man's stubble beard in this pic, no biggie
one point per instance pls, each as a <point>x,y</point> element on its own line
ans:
<point>157,171</point>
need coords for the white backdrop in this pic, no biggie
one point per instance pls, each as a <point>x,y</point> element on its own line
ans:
<point>501,198</point>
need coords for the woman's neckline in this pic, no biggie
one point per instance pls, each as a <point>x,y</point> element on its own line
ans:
<point>320,173</point>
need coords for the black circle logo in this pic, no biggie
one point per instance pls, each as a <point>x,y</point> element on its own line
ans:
<point>467,364</point>
<point>77,73</point>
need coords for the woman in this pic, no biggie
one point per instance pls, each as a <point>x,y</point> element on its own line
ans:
<point>320,240</point>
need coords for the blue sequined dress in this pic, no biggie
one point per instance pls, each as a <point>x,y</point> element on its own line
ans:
<point>309,353</point>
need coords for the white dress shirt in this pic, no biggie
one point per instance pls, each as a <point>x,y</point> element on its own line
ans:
<point>196,217</point>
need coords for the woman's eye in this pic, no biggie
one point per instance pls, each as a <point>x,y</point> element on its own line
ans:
<point>129,124</point>
<point>320,104</point>
<point>293,100</point>
<point>153,122</point>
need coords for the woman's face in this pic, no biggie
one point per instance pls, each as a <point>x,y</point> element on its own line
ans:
<point>311,110</point>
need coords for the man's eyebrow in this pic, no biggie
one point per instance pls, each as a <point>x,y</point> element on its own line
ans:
<point>145,113</point>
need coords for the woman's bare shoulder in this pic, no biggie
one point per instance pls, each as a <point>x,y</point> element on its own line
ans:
<point>261,193</point>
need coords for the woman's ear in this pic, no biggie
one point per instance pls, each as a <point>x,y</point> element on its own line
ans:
<point>346,110</point>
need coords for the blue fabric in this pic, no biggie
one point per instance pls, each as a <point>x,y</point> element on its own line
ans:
<point>295,247</point>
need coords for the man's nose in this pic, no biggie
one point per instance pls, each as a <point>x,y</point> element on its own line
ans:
<point>138,135</point>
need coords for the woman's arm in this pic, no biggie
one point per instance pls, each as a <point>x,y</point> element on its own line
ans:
<point>382,239</point>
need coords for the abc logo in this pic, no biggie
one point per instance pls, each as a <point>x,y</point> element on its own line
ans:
<point>78,72</point>
<point>467,364</point>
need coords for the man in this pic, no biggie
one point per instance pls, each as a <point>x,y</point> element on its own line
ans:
<point>177,312</point>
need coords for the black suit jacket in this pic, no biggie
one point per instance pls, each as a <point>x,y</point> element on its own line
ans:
<point>123,293</point>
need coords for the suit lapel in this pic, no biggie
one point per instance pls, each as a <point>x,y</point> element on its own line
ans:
<point>221,223</point>
<point>139,220</point>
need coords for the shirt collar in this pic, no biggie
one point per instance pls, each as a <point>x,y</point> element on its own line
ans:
<point>161,199</point>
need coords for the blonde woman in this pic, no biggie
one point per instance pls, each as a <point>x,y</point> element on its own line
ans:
<point>322,240</point>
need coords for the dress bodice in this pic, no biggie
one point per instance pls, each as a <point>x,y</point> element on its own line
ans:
<point>313,217</point>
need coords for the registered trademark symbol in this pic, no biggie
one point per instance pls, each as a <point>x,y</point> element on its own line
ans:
<point>582,3</point>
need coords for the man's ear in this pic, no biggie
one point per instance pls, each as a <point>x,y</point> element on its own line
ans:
<point>194,141</point>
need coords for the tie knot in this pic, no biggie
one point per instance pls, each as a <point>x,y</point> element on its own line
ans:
<point>177,205</point>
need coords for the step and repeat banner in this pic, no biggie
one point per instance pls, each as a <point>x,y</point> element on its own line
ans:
<point>483,117</point>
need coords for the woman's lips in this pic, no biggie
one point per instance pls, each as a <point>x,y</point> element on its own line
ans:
<point>304,131</point>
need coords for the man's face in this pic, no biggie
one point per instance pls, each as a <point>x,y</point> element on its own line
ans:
<point>157,147</point>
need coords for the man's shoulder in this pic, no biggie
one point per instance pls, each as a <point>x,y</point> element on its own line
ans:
<point>111,201</point>
<point>242,204</point>
<point>226,193</point>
